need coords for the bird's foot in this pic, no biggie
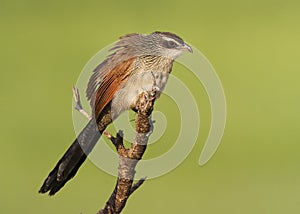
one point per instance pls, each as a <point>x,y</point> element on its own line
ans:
<point>147,99</point>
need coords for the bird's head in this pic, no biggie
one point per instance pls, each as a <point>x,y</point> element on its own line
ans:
<point>157,43</point>
<point>168,44</point>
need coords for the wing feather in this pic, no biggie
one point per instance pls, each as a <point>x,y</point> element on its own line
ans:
<point>107,76</point>
<point>110,85</point>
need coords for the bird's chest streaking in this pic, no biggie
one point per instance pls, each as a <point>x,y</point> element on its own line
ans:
<point>148,74</point>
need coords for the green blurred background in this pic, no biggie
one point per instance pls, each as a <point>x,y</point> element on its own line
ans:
<point>253,45</point>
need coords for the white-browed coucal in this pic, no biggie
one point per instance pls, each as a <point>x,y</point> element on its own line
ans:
<point>138,63</point>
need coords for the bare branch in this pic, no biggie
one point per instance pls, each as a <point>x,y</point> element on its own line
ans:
<point>128,158</point>
<point>137,185</point>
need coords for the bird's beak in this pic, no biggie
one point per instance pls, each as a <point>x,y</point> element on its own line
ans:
<point>187,47</point>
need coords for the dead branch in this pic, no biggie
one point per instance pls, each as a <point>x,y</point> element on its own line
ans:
<point>129,157</point>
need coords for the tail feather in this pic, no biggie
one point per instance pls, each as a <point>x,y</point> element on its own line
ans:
<point>68,165</point>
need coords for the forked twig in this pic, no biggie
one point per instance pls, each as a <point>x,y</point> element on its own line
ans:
<point>78,105</point>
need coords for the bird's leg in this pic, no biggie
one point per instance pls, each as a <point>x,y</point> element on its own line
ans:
<point>78,105</point>
<point>155,87</point>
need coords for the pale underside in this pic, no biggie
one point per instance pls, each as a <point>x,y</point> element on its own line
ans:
<point>145,80</point>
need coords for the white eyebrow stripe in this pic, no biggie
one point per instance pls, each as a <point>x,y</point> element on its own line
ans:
<point>170,39</point>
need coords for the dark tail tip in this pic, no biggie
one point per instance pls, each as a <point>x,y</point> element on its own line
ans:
<point>64,170</point>
<point>73,158</point>
<point>51,183</point>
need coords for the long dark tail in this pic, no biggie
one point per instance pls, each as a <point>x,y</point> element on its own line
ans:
<point>70,162</point>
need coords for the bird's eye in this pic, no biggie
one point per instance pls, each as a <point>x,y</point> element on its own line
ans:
<point>171,44</point>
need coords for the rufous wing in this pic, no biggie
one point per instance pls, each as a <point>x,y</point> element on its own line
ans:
<point>110,85</point>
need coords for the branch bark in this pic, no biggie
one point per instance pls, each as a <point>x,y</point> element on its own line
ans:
<point>129,157</point>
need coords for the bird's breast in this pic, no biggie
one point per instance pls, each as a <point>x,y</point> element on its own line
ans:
<point>140,81</point>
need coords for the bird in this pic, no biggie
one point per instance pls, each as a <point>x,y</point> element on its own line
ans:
<point>137,63</point>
